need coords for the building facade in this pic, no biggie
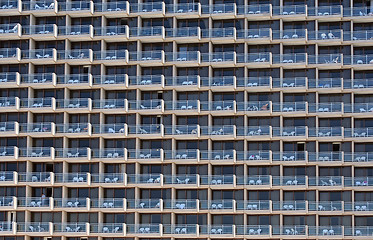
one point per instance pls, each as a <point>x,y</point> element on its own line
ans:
<point>244,119</point>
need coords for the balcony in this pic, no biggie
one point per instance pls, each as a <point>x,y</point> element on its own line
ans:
<point>184,10</point>
<point>147,131</point>
<point>149,179</point>
<point>290,230</point>
<point>113,9</point>
<point>291,36</point>
<point>290,107</point>
<point>181,229</point>
<point>40,56</point>
<point>326,60</point>
<point>291,156</point>
<point>358,133</point>
<point>109,57</point>
<point>39,153</point>
<point>8,153</point>
<point>8,56</point>
<point>325,83</point>
<point>326,13</point>
<point>290,206</point>
<point>358,206</point>
<point>189,58</point>
<point>182,155</point>
<point>104,203</point>
<point>41,79</point>
<point>107,228</point>
<point>36,202</point>
<point>181,179</point>
<point>109,80</point>
<point>260,11</point>
<point>146,105</point>
<point>226,131</point>
<point>115,32</point>
<point>254,131</point>
<point>82,56</point>
<point>217,230</point>
<point>73,80</point>
<point>184,131</point>
<point>110,105</point>
<point>360,14</point>
<point>39,7</point>
<point>218,155</point>
<point>38,104</point>
<point>359,61</point>
<point>77,8</point>
<point>36,177</point>
<point>255,59</point>
<point>290,83</point>
<point>254,156</point>
<point>359,231</point>
<point>254,107</point>
<point>360,37</point>
<point>9,7</point>
<point>184,81</point>
<point>78,104</point>
<point>323,206</point>
<point>221,107</point>
<point>223,59</point>
<point>76,32</point>
<point>291,59</point>
<point>181,35</point>
<point>215,180</point>
<point>329,108</point>
<point>74,128</point>
<point>358,181</point>
<point>9,31</point>
<point>220,11</point>
<point>147,58</point>
<point>48,31</point>
<point>326,132</point>
<point>332,181</point>
<point>325,157</point>
<point>147,33</point>
<point>73,153</point>
<point>254,83</point>
<point>70,228</point>
<point>148,81</point>
<point>76,178</point>
<point>255,36</point>
<point>298,12</point>
<point>326,37</point>
<point>220,34</point>
<point>223,81</point>
<point>290,181</point>
<point>252,181</point>
<point>149,10</point>
<point>9,128</point>
<point>110,153</point>
<point>108,178</point>
<point>181,204</point>
<point>41,228</point>
<point>189,105</point>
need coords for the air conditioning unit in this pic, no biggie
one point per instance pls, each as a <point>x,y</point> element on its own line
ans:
<point>47,238</point>
<point>83,238</point>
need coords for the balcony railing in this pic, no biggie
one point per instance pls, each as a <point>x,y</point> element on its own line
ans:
<point>186,229</point>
